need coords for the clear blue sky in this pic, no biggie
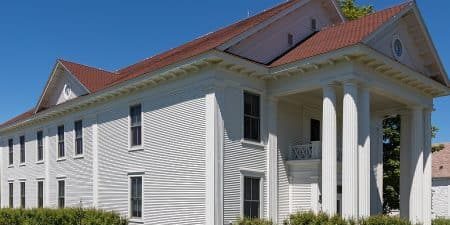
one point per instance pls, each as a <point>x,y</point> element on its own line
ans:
<point>115,33</point>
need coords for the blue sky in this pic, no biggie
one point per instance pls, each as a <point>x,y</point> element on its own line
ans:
<point>115,33</point>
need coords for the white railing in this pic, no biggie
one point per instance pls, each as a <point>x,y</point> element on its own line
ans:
<point>309,151</point>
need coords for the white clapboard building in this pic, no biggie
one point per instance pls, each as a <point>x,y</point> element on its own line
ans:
<point>277,113</point>
<point>441,183</point>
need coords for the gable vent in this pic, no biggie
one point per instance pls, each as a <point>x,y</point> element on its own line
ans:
<point>313,25</point>
<point>290,39</point>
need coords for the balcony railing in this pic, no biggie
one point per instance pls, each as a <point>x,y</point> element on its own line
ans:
<point>309,151</point>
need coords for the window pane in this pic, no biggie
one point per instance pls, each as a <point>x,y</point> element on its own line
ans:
<point>136,196</point>
<point>251,117</point>
<point>11,151</point>
<point>40,146</point>
<point>255,189</point>
<point>22,149</point>
<point>251,197</point>
<point>61,194</point>
<point>11,195</point>
<point>40,194</point>
<point>315,130</point>
<point>22,194</point>
<point>247,188</point>
<point>61,151</point>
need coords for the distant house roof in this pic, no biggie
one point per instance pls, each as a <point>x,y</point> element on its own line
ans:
<point>441,163</point>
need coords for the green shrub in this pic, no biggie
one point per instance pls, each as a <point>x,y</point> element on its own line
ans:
<point>310,218</point>
<point>384,220</point>
<point>247,221</point>
<point>66,216</point>
<point>441,221</point>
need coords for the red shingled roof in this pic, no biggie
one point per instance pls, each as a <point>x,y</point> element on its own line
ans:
<point>92,78</point>
<point>327,40</point>
<point>339,36</point>
<point>441,162</point>
<point>20,117</point>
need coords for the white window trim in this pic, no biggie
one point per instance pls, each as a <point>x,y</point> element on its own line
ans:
<point>256,174</point>
<point>131,175</point>
<point>244,141</point>
<point>43,146</point>
<point>75,155</point>
<point>58,158</point>
<point>137,147</point>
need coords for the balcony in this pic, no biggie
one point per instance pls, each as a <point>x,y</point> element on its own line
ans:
<point>311,151</point>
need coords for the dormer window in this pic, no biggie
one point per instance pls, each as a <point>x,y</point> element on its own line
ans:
<point>67,91</point>
<point>313,25</point>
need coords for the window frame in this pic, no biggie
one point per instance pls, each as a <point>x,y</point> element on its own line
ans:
<point>40,199</point>
<point>130,208</point>
<point>253,174</point>
<point>59,197</point>
<point>78,137</point>
<point>61,154</point>
<point>40,146</point>
<point>260,118</point>
<point>22,194</point>
<point>22,148</point>
<point>130,128</point>
<point>11,152</point>
<point>11,194</point>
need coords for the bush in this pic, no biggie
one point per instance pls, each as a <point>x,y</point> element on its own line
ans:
<point>323,219</point>
<point>66,216</point>
<point>441,221</point>
<point>247,221</point>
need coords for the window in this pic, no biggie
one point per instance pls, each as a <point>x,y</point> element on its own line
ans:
<point>22,195</point>
<point>252,117</point>
<point>290,39</point>
<point>40,145</point>
<point>78,137</point>
<point>136,197</point>
<point>313,25</point>
<point>61,194</point>
<point>252,203</point>
<point>61,152</point>
<point>315,130</point>
<point>22,149</point>
<point>136,125</point>
<point>11,195</point>
<point>11,151</point>
<point>40,194</point>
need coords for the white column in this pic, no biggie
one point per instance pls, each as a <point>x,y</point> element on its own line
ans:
<point>214,162</point>
<point>272,107</point>
<point>427,169</point>
<point>329,151</point>
<point>364,153</point>
<point>350,151</point>
<point>376,158</point>
<point>416,166</point>
<point>405,180</point>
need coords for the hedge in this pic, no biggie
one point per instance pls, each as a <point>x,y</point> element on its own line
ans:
<point>68,216</point>
<point>310,218</point>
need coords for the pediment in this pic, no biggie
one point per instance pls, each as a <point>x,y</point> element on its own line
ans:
<point>406,40</point>
<point>62,86</point>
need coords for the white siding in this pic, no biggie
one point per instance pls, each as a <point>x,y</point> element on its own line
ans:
<point>173,158</point>
<point>441,198</point>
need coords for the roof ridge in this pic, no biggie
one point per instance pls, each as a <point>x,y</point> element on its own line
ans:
<point>84,65</point>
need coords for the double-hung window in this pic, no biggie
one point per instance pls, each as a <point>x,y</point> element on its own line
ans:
<point>78,137</point>
<point>252,198</point>
<point>61,151</point>
<point>22,149</point>
<point>40,194</point>
<point>40,145</point>
<point>22,194</point>
<point>136,197</point>
<point>136,125</point>
<point>11,195</point>
<point>61,193</point>
<point>11,151</point>
<point>252,117</point>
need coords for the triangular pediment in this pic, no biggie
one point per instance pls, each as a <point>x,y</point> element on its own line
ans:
<point>62,86</point>
<point>406,39</point>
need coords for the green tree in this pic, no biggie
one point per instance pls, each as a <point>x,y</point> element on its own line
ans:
<point>352,11</point>
<point>391,163</point>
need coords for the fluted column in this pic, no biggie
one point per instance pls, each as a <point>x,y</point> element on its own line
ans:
<point>329,151</point>
<point>405,180</point>
<point>376,158</point>
<point>416,166</point>
<point>427,169</point>
<point>350,151</point>
<point>364,153</point>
